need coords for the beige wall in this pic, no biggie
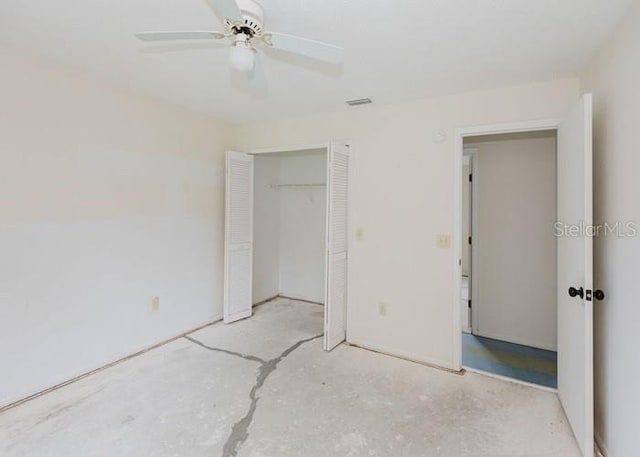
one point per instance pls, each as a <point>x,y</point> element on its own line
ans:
<point>514,280</point>
<point>613,77</point>
<point>402,198</point>
<point>107,199</point>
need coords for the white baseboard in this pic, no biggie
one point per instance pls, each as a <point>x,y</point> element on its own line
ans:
<point>88,371</point>
<point>509,339</point>
<point>511,380</point>
<point>411,357</point>
<point>301,298</point>
<point>265,301</point>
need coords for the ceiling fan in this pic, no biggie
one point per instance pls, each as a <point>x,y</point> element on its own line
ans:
<point>244,22</point>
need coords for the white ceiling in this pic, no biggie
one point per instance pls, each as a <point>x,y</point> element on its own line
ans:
<point>396,50</point>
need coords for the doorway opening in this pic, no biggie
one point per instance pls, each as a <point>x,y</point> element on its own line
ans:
<point>508,288</point>
<point>286,215</point>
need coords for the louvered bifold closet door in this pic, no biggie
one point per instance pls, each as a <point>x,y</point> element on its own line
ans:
<point>337,245</point>
<point>238,255</point>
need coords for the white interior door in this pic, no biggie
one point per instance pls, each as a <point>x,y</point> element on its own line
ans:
<point>575,269</point>
<point>238,246</point>
<point>335,316</point>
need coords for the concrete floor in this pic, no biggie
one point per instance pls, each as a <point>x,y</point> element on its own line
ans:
<point>264,387</point>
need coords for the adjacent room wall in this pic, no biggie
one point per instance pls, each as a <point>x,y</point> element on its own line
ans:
<point>107,199</point>
<point>401,196</point>
<point>266,228</point>
<point>303,226</point>
<point>514,243</point>
<point>613,78</point>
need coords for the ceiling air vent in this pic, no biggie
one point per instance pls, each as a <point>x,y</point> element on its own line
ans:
<point>360,101</point>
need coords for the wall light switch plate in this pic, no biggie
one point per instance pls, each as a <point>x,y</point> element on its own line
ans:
<point>155,303</point>
<point>359,234</point>
<point>444,241</point>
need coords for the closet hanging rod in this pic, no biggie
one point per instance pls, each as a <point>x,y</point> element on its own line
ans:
<point>297,186</point>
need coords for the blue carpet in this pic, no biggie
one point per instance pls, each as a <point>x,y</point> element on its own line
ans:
<point>516,361</point>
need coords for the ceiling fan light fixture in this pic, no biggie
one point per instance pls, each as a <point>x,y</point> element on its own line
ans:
<point>242,57</point>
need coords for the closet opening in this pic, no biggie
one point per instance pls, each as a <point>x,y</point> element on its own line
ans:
<point>286,227</point>
<point>289,228</point>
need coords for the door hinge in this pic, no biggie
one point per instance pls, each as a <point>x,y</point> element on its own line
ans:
<point>471,178</point>
<point>469,303</point>
<point>469,240</point>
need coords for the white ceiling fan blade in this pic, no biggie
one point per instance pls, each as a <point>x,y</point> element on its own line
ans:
<point>257,77</point>
<point>179,35</point>
<point>227,9</point>
<point>305,47</point>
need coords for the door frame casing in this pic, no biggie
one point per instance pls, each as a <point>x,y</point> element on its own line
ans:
<point>459,135</point>
<point>291,148</point>
<point>472,153</point>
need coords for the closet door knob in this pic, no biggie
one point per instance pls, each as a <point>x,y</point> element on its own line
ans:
<point>599,295</point>
<point>573,292</point>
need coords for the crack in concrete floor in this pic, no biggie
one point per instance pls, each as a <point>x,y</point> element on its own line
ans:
<point>240,431</point>
<point>250,358</point>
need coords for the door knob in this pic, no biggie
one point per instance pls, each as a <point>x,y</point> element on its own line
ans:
<point>599,295</point>
<point>573,292</point>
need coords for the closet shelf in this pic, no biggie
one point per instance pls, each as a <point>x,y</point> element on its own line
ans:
<point>297,186</point>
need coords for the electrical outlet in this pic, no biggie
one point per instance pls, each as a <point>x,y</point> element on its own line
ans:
<point>382,309</point>
<point>359,234</point>
<point>444,241</point>
<point>155,303</point>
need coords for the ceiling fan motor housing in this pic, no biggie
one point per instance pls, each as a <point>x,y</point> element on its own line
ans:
<point>253,15</point>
